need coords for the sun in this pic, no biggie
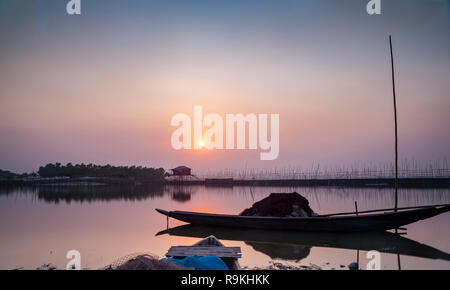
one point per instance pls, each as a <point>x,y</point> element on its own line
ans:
<point>201,143</point>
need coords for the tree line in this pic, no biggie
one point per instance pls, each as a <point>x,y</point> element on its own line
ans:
<point>92,170</point>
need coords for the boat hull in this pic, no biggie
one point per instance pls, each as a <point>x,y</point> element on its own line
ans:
<point>359,223</point>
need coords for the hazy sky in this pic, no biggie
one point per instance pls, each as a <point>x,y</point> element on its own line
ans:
<point>102,87</point>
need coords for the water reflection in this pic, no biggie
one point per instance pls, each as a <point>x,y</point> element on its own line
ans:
<point>64,193</point>
<point>295,246</point>
<point>40,224</point>
<point>181,193</point>
<point>286,252</point>
<point>320,198</point>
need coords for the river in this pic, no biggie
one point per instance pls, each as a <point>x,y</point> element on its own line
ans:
<point>39,225</point>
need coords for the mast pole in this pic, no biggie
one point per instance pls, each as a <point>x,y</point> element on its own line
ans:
<point>395,121</point>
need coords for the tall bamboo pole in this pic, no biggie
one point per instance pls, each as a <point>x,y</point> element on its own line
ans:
<point>395,121</point>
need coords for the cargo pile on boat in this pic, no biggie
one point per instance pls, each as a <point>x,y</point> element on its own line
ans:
<point>281,205</point>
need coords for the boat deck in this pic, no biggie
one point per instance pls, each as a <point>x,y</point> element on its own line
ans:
<point>201,251</point>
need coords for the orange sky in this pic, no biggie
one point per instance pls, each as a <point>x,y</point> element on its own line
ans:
<point>103,87</point>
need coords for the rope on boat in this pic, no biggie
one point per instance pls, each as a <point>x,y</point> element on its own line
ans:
<point>387,209</point>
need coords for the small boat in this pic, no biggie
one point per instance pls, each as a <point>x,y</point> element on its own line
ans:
<point>358,222</point>
<point>208,246</point>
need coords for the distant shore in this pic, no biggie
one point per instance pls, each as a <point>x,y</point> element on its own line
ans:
<point>426,182</point>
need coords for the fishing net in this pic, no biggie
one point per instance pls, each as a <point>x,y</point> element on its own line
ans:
<point>143,261</point>
<point>281,205</point>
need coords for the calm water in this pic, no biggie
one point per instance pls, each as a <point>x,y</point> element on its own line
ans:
<point>39,225</point>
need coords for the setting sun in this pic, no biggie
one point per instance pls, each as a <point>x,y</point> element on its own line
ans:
<point>201,143</point>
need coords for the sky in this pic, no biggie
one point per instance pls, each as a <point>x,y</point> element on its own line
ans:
<point>102,87</point>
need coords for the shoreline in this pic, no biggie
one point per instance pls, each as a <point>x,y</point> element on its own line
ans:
<point>414,182</point>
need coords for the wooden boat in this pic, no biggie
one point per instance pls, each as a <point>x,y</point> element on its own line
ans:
<point>385,242</point>
<point>208,246</point>
<point>328,223</point>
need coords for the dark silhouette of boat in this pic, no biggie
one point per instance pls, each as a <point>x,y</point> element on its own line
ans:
<point>357,222</point>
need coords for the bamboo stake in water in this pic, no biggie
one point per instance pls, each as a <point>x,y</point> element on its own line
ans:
<point>395,121</point>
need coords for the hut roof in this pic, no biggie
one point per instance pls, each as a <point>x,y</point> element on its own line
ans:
<point>182,167</point>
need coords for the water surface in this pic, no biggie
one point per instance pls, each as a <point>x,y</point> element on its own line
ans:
<point>39,225</point>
